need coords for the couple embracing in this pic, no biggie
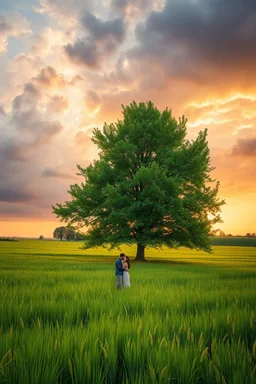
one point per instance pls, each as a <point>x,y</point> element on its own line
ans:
<point>122,272</point>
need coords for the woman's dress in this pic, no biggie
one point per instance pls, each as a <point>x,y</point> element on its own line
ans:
<point>126,279</point>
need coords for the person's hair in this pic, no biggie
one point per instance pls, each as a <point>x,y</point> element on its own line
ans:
<point>122,254</point>
<point>128,262</point>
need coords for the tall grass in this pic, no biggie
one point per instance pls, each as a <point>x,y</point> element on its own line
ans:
<point>189,319</point>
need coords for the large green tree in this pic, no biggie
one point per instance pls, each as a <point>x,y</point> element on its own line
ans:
<point>150,186</point>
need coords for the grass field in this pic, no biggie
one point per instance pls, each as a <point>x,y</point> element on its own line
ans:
<point>188,318</point>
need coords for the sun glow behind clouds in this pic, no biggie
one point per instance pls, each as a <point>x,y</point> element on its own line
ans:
<point>241,127</point>
<point>222,101</point>
<point>208,121</point>
<point>95,112</point>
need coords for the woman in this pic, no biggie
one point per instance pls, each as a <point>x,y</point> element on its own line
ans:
<point>126,275</point>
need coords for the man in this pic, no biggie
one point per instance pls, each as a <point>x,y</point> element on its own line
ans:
<point>119,271</point>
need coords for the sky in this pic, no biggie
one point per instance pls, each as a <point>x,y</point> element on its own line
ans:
<point>66,66</point>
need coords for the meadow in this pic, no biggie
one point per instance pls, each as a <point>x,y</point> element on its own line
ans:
<point>189,317</point>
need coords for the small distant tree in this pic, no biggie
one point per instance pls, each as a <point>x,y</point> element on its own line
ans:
<point>41,237</point>
<point>70,233</point>
<point>150,186</point>
<point>250,234</point>
<point>59,233</point>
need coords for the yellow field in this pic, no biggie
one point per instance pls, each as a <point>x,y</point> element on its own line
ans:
<point>188,318</point>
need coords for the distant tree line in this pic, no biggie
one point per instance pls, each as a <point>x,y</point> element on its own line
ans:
<point>220,233</point>
<point>7,239</point>
<point>67,233</point>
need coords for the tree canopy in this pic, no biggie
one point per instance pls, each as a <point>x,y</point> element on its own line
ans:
<point>150,185</point>
<point>59,233</point>
<point>68,233</point>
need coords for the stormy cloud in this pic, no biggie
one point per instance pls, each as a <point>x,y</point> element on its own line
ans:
<point>100,30</point>
<point>84,52</point>
<point>14,195</point>
<point>200,40</point>
<point>102,38</point>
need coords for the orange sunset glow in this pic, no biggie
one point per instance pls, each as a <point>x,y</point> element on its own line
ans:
<point>66,66</point>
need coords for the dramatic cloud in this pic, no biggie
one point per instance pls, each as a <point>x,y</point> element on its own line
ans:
<point>27,118</point>
<point>27,99</point>
<point>7,194</point>
<point>202,40</point>
<point>34,136</point>
<point>233,118</point>
<point>25,130</point>
<point>84,52</point>
<point>101,30</point>
<point>102,39</point>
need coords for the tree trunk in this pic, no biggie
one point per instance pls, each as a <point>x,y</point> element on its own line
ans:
<point>140,255</point>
